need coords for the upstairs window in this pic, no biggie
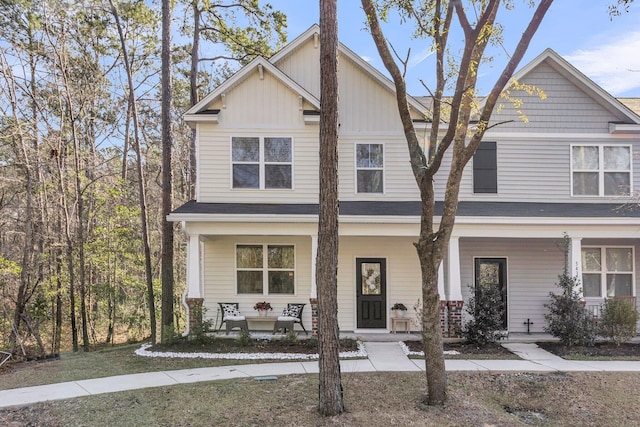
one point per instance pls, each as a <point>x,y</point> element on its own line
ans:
<point>262,163</point>
<point>607,272</point>
<point>369,168</point>
<point>265,269</point>
<point>601,170</point>
<point>485,168</point>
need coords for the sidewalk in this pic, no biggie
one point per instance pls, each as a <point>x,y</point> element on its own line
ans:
<point>382,356</point>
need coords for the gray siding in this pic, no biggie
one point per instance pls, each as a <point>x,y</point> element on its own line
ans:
<point>533,266</point>
<point>565,109</point>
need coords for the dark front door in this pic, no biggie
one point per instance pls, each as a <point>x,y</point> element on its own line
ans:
<point>491,274</point>
<point>371,284</point>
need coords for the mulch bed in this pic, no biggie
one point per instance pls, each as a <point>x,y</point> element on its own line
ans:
<point>629,351</point>
<point>464,348</point>
<point>231,345</point>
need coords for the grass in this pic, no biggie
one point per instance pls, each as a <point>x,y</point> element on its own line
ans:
<point>371,399</point>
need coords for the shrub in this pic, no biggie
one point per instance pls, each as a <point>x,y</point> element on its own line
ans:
<point>567,319</point>
<point>244,338</point>
<point>619,320</point>
<point>487,311</point>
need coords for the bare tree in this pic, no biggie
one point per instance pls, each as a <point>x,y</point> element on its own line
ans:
<point>142,191</point>
<point>450,130</point>
<point>330,387</point>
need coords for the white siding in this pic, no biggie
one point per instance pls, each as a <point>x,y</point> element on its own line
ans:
<point>403,274</point>
<point>220,279</point>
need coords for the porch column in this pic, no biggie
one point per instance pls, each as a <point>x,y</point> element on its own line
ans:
<point>455,285</point>
<point>194,288</point>
<point>441,292</point>
<point>193,296</point>
<point>575,269</point>
<point>313,297</point>
<point>455,301</point>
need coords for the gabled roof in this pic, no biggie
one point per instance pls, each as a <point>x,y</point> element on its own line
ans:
<point>313,32</point>
<point>257,63</point>
<point>583,82</point>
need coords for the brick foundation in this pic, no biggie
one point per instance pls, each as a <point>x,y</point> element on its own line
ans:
<point>313,302</point>
<point>195,315</point>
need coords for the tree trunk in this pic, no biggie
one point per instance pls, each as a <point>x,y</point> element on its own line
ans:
<point>330,388</point>
<point>193,96</point>
<point>167,142</point>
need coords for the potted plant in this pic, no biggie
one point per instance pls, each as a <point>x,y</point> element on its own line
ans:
<point>400,309</point>
<point>262,308</point>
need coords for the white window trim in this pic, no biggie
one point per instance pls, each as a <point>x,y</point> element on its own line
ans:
<point>356,168</point>
<point>261,163</point>
<point>604,271</point>
<point>265,268</point>
<point>601,171</point>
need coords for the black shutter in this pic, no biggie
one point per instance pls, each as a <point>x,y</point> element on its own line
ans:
<point>485,168</point>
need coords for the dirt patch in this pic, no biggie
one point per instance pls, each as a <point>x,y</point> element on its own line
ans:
<point>231,345</point>
<point>600,351</point>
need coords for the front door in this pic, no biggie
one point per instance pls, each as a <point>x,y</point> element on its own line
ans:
<point>371,300</point>
<point>492,272</point>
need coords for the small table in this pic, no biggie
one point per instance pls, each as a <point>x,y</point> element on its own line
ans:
<point>399,321</point>
<point>273,320</point>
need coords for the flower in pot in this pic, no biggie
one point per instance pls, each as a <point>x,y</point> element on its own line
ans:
<point>262,308</point>
<point>399,308</point>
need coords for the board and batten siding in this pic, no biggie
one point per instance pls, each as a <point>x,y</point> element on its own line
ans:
<point>219,275</point>
<point>303,66</point>
<point>533,266</point>
<point>403,274</point>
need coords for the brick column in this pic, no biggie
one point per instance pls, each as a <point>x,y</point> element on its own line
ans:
<point>443,318</point>
<point>454,318</point>
<point>314,316</point>
<point>195,316</point>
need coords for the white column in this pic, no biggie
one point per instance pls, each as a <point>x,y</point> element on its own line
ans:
<point>455,285</point>
<point>575,258</point>
<point>194,285</point>
<point>441,281</point>
<point>314,254</point>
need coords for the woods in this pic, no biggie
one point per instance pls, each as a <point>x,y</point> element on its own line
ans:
<point>81,141</point>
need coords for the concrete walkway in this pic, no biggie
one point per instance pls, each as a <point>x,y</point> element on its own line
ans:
<point>382,356</point>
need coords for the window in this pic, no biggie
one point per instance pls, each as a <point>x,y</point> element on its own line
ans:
<point>263,163</point>
<point>601,170</point>
<point>607,272</point>
<point>369,168</point>
<point>265,269</point>
<point>485,168</point>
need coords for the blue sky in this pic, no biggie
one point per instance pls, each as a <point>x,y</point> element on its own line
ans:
<point>606,50</point>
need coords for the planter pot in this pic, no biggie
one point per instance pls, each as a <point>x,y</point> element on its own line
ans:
<point>401,313</point>
<point>262,313</point>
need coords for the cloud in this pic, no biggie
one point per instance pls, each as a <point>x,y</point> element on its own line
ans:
<point>614,64</point>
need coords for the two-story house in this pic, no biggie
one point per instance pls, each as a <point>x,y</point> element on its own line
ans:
<point>571,168</point>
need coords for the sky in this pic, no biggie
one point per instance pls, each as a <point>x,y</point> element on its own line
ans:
<point>607,50</point>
